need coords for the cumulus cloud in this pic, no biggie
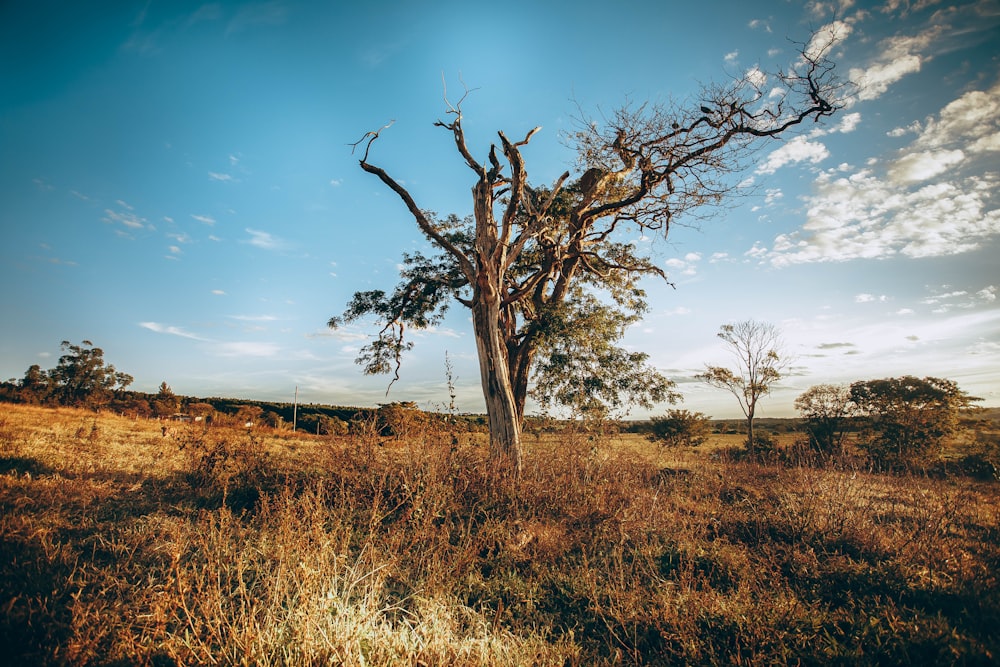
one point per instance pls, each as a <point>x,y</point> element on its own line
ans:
<point>799,149</point>
<point>827,37</point>
<point>923,165</point>
<point>928,200</point>
<point>899,56</point>
<point>870,298</point>
<point>686,266</point>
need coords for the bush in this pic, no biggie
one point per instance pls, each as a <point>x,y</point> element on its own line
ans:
<point>679,428</point>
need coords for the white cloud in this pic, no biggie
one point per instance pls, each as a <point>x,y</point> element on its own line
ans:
<point>253,318</point>
<point>900,55</point>
<point>127,218</point>
<point>207,219</point>
<point>264,240</point>
<point>686,266</point>
<point>756,251</point>
<point>246,349</point>
<point>870,298</point>
<point>988,294</point>
<point>759,23</point>
<point>171,330</point>
<point>926,202</point>
<point>756,77</point>
<point>336,182</point>
<point>848,123</point>
<point>972,120</point>
<point>827,37</point>
<point>912,128</point>
<point>798,149</point>
<point>923,165</point>
<point>218,292</point>
<point>217,176</point>
<point>732,56</point>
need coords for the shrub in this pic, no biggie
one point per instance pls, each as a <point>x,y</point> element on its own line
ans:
<point>679,427</point>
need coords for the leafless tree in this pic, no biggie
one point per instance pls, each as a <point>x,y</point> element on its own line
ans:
<point>760,361</point>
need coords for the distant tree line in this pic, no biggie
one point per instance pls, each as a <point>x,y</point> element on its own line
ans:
<point>896,423</point>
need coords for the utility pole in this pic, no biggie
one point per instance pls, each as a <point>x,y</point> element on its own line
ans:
<point>295,409</point>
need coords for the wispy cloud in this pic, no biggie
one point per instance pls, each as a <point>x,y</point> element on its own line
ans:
<point>219,176</point>
<point>125,217</point>
<point>246,349</point>
<point>257,14</point>
<point>835,346</point>
<point>170,330</point>
<point>253,318</point>
<point>207,219</point>
<point>265,240</point>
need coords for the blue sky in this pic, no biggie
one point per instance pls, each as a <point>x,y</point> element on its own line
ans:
<point>176,184</point>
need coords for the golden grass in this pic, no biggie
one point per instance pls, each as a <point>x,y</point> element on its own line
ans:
<point>121,546</point>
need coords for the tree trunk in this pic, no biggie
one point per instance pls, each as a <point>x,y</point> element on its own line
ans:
<point>501,404</point>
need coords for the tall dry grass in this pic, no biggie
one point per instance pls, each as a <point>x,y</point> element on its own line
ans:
<point>228,547</point>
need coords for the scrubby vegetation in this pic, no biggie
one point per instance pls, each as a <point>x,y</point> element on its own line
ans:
<point>225,545</point>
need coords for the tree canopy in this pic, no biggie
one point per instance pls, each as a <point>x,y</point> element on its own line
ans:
<point>909,416</point>
<point>535,259</point>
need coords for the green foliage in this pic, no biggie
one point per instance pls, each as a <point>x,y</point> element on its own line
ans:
<point>567,341</point>
<point>81,378</point>
<point>909,417</point>
<point>679,428</point>
<point>166,401</point>
<point>580,367</point>
<point>827,409</point>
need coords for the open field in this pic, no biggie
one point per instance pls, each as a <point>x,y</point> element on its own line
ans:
<point>121,546</point>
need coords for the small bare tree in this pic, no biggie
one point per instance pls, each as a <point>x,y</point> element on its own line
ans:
<point>532,259</point>
<point>760,361</point>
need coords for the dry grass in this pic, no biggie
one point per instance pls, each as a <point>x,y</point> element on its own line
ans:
<point>123,547</point>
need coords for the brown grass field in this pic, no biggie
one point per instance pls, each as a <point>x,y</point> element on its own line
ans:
<point>226,547</point>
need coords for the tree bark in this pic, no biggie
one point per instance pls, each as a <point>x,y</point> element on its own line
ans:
<point>501,404</point>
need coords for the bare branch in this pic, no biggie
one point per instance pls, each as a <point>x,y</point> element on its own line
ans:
<point>371,136</point>
<point>426,226</point>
